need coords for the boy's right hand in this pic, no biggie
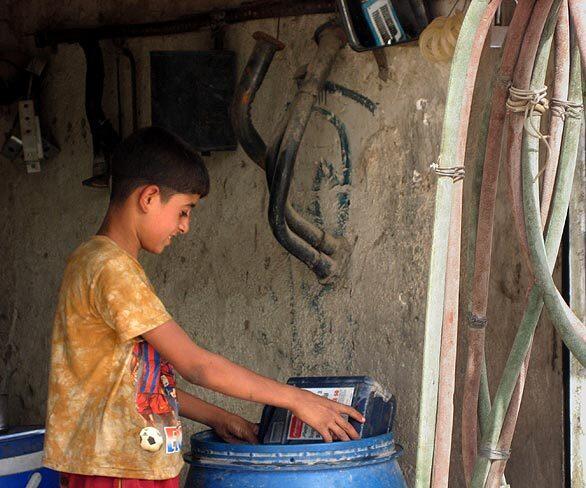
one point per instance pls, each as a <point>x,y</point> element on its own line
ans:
<point>326,416</point>
<point>235,430</point>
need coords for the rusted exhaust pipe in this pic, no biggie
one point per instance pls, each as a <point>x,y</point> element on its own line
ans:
<point>327,255</point>
<point>331,38</point>
<point>252,77</point>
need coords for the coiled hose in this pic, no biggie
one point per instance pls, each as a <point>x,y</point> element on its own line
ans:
<point>528,45</point>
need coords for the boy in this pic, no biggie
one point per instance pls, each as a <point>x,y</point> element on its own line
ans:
<point>112,413</point>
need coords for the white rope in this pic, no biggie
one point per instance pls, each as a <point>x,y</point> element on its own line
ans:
<point>565,108</point>
<point>494,453</point>
<point>530,102</point>
<point>454,172</point>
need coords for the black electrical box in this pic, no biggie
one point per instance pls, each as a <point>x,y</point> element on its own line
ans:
<point>191,93</point>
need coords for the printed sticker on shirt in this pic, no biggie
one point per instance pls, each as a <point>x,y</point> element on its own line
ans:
<point>156,398</point>
<point>150,439</point>
<point>173,438</point>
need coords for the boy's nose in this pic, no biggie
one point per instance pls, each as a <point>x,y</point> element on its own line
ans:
<point>184,227</point>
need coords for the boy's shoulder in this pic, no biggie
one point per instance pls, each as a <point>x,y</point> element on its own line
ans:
<point>96,253</point>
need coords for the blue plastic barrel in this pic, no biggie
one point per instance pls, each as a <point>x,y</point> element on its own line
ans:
<point>21,453</point>
<point>370,462</point>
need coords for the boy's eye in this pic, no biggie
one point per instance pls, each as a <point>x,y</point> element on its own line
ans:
<point>184,214</point>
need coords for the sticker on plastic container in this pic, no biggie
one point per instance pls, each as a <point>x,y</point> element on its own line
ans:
<point>383,22</point>
<point>300,431</point>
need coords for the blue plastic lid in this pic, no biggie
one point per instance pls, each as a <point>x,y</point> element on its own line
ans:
<point>19,441</point>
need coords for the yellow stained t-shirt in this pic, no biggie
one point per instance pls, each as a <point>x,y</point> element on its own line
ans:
<point>107,386</point>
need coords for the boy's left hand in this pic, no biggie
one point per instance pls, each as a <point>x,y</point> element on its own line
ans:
<point>236,430</point>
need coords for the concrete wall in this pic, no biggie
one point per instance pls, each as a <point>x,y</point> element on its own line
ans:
<point>229,283</point>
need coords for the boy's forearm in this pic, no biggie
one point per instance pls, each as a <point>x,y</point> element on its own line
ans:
<point>199,410</point>
<point>212,371</point>
<point>219,374</point>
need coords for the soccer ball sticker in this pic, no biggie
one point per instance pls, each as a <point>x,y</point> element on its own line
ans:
<point>151,439</point>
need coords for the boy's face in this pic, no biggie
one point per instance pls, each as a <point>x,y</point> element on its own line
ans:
<point>162,221</point>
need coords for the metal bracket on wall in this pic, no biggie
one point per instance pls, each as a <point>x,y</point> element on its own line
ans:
<point>12,148</point>
<point>30,131</point>
<point>380,56</point>
<point>25,138</point>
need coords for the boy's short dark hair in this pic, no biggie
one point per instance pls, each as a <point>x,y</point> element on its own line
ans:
<point>155,156</point>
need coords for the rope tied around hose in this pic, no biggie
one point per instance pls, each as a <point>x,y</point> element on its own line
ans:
<point>530,102</point>
<point>565,108</point>
<point>457,173</point>
<point>476,321</point>
<point>494,454</point>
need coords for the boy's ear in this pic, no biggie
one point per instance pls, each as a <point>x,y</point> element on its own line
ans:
<point>147,196</point>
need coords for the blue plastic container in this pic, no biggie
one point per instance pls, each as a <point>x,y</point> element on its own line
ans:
<point>21,453</point>
<point>279,426</point>
<point>364,463</point>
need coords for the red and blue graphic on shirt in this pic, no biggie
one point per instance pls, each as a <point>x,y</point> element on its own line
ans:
<point>156,398</point>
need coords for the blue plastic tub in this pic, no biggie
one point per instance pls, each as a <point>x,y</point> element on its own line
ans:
<point>21,453</point>
<point>364,463</point>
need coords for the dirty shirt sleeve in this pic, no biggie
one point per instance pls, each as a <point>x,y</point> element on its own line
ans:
<point>126,300</point>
